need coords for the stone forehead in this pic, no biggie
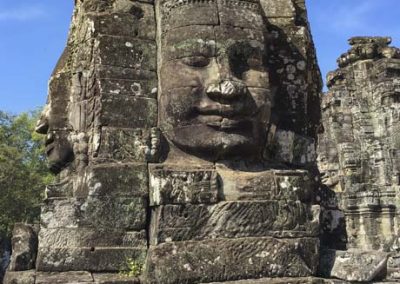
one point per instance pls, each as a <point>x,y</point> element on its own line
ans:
<point>211,40</point>
<point>211,35</point>
<point>235,13</point>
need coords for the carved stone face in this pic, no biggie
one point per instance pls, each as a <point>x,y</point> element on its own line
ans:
<point>54,120</point>
<point>215,96</point>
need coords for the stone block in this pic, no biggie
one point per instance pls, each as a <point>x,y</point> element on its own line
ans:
<point>293,148</point>
<point>354,265</point>
<point>128,213</point>
<point>63,277</point>
<point>128,112</point>
<point>188,14</point>
<point>232,220</point>
<point>267,185</point>
<point>137,21</point>
<point>182,186</point>
<point>278,9</point>
<point>129,145</point>
<point>59,84</point>
<point>61,189</point>
<point>109,278</point>
<point>83,55</point>
<point>91,237</point>
<point>184,41</point>
<point>240,14</point>
<point>24,247</point>
<point>393,269</point>
<point>108,259</point>
<point>133,88</point>
<point>20,277</point>
<point>286,280</point>
<point>115,180</point>
<point>221,260</point>
<point>126,52</point>
<point>124,73</point>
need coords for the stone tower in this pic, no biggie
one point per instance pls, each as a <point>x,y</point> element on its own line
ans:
<point>183,136</point>
<point>359,149</point>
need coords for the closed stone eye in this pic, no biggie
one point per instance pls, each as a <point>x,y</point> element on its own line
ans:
<point>196,61</point>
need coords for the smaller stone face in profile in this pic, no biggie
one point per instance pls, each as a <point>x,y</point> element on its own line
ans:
<point>54,121</point>
<point>215,96</point>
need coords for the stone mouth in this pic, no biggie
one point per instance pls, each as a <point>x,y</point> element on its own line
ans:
<point>229,124</point>
<point>49,148</point>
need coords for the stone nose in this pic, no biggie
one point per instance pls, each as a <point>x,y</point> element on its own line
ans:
<point>226,90</point>
<point>42,125</point>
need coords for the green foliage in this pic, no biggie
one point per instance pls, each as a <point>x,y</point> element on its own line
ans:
<point>23,170</point>
<point>133,268</point>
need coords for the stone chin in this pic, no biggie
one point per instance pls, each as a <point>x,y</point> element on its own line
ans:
<point>59,155</point>
<point>207,142</point>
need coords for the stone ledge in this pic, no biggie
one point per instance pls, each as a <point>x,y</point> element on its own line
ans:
<point>71,277</point>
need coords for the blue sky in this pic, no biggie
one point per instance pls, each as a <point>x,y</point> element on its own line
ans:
<point>33,34</point>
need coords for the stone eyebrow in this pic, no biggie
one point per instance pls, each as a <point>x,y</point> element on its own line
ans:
<point>191,47</point>
<point>245,47</point>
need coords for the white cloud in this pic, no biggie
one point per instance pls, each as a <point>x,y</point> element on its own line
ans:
<point>22,14</point>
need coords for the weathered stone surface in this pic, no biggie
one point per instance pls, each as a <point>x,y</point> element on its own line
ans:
<point>127,112</point>
<point>175,15</point>
<point>294,148</point>
<point>108,278</point>
<point>61,189</point>
<point>24,247</point>
<point>135,20</point>
<point>360,266</point>
<point>249,17</point>
<point>129,145</point>
<point>128,87</point>
<point>188,86</point>
<point>126,52</point>
<point>92,259</point>
<point>358,156</point>
<point>180,186</point>
<point>115,180</point>
<point>127,213</point>
<point>64,277</point>
<point>20,277</point>
<point>298,280</point>
<point>393,269</point>
<point>123,73</point>
<point>267,185</point>
<point>92,237</point>
<point>279,9</point>
<point>231,259</point>
<point>232,220</point>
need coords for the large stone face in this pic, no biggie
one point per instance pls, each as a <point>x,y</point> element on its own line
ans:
<point>183,135</point>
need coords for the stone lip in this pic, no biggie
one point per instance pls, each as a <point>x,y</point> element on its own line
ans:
<point>353,265</point>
